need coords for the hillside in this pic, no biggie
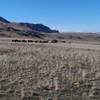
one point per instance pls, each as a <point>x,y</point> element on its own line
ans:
<point>21,29</point>
<point>13,29</point>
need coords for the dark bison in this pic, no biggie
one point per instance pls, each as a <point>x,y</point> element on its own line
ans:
<point>23,41</point>
<point>36,41</point>
<point>45,41</point>
<point>30,41</point>
<point>69,42</point>
<point>16,40</point>
<point>63,41</point>
<point>54,41</point>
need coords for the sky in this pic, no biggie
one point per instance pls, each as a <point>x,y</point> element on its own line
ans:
<point>64,15</point>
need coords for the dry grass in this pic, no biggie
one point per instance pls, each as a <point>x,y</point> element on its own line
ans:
<point>39,72</point>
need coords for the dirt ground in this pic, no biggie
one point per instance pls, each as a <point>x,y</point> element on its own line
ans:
<point>49,71</point>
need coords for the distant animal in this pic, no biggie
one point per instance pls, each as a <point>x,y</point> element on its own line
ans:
<point>16,40</point>
<point>36,41</point>
<point>54,41</point>
<point>63,41</point>
<point>23,41</point>
<point>41,41</point>
<point>30,41</point>
<point>46,41</point>
<point>69,42</point>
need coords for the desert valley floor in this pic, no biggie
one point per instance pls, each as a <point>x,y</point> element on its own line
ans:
<point>49,71</point>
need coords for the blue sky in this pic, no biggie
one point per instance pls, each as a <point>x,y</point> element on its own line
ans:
<point>64,15</point>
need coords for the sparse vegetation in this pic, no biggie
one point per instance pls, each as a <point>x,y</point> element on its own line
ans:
<point>40,71</point>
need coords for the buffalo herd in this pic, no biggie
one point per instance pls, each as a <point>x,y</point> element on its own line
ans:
<point>38,41</point>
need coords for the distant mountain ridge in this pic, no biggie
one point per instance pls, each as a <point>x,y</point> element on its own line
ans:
<point>3,20</point>
<point>27,29</point>
<point>39,27</point>
<point>21,29</point>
